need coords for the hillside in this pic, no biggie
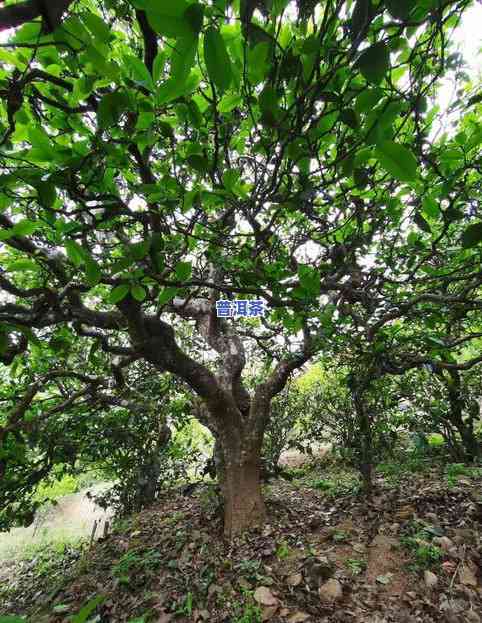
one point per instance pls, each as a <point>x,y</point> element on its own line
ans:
<point>411,554</point>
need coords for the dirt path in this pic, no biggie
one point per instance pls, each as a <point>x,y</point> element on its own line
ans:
<point>72,518</point>
<point>294,458</point>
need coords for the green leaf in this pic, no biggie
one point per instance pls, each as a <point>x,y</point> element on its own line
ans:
<point>138,292</point>
<point>145,120</point>
<point>139,250</point>
<point>158,66</point>
<point>25,227</point>
<point>472,235</point>
<point>110,108</point>
<point>430,207</point>
<point>194,14</point>
<point>422,223</point>
<point>84,614</point>
<point>217,60</point>
<point>173,18</point>
<point>350,118</point>
<point>231,178</point>
<point>75,253</point>
<point>182,59</point>
<point>139,71</point>
<point>12,619</point>
<point>198,162</point>
<point>347,165</point>
<point>400,9</point>
<point>268,103</point>
<point>92,271</point>
<point>97,26</point>
<point>361,177</point>
<point>119,293</point>
<point>258,62</point>
<point>167,295</point>
<point>229,102</point>
<point>183,270</point>
<point>23,265</point>
<point>361,17</point>
<point>368,99</point>
<point>47,194</point>
<point>40,140</point>
<point>309,279</point>
<point>374,62</point>
<point>397,160</point>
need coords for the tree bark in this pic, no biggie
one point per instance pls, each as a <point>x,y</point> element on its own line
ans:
<point>17,14</point>
<point>366,441</point>
<point>465,427</point>
<point>244,506</point>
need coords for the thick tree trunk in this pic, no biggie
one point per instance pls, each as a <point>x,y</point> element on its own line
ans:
<point>243,502</point>
<point>470,444</point>
<point>239,476</point>
<point>365,442</point>
<point>465,427</point>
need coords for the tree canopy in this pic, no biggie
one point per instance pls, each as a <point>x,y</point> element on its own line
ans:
<point>158,157</point>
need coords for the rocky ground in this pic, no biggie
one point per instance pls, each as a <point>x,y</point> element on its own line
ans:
<point>413,553</point>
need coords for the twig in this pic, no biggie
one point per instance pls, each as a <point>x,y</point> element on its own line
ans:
<point>92,535</point>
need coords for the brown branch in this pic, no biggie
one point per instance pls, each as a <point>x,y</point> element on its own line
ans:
<point>150,40</point>
<point>50,10</point>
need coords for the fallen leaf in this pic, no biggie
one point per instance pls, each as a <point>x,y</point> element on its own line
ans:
<point>268,611</point>
<point>295,579</point>
<point>431,580</point>
<point>244,583</point>
<point>330,591</point>
<point>265,597</point>
<point>298,617</point>
<point>449,566</point>
<point>467,575</point>
<point>405,512</point>
<point>444,542</point>
<point>214,588</point>
<point>385,579</point>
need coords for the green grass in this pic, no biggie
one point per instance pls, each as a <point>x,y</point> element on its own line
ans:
<point>411,463</point>
<point>336,484</point>
<point>454,471</point>
<point>356,565</point>
<point>247,612</point>
<point>424,553</point>
<point>48,551</point>
<point>435,439</point>
<point>58,488</point>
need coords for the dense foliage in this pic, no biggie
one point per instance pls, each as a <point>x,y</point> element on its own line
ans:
<point>158,157</point>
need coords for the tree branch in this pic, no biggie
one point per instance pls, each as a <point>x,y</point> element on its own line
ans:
<point>50,10</point>
<point>150,40</point>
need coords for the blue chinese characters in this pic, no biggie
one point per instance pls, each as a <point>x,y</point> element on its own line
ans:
<point>240,307</point>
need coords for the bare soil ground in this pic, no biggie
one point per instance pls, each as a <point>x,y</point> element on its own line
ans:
<point>294,458</point>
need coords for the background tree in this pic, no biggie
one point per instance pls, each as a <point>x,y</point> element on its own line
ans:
<point>57,421</point>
